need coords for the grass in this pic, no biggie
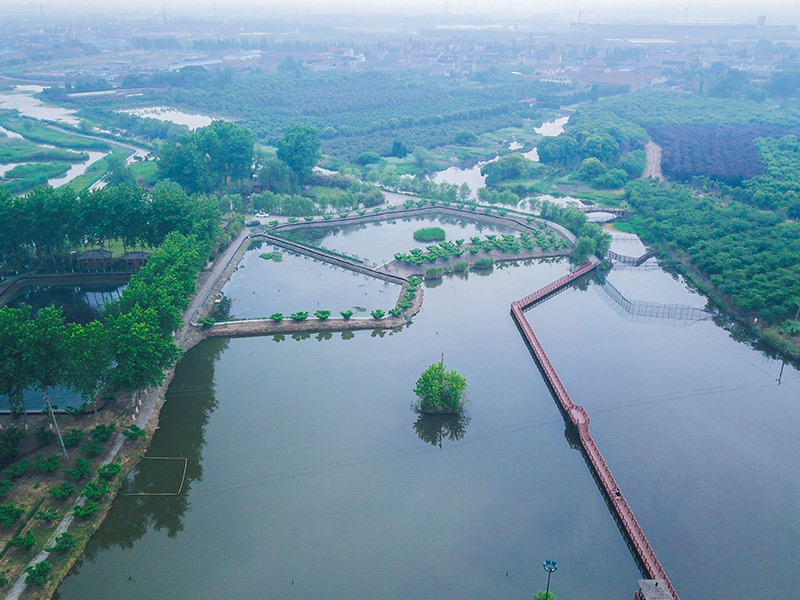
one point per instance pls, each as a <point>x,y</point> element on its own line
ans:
<point>27,176</point>
<point>35,131</point>
<point>14,150</point>
<point>145,172</point>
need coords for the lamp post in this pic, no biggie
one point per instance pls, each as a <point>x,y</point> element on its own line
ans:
<point>550,566</point>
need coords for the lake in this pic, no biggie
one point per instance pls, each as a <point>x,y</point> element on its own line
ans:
<point>309,475</point>
<point>164,113</point>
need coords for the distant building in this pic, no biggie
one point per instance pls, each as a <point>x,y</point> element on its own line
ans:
<point>95,260</point>
<point>135,260</point>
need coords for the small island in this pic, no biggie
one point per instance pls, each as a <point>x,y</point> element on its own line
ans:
<point>439,391</point>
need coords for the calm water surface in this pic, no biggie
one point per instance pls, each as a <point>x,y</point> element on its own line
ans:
<point>164,113</point>
<point>309,476</point>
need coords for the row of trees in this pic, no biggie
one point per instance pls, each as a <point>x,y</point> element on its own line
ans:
<point>591,237</point>
<point>129,347</point>
<point>48,223</point>
<point>751,255</point>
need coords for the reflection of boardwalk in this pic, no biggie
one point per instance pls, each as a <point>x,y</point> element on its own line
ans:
<point>654,310</point>
<point>578,416</point>
<point>653,169</point>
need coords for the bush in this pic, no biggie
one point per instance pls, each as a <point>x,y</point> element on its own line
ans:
<point>133,432</point>
<point>460,267</point>
<point>45,436</point>
<point>346,314</point>
<point>64,541</point>
<point>81,469</point>
<point>23,542</point>
<point>5,487</point>
<point>377,313</point>
<point>396,312</point>
<point>95,490</point>
<point>9,442</point>
<point>429,234</point>
<point>48,464</point>
<point>62,490</point>
<point>46,514</point>
<point>276,317</point>
<point>37,574</point>
<point>483,264</point>
<point>92,448</point>
<point>109,471</point>
<point>299,316</point>
<point>17,469</point>
<point>103,433</point>
<point>322,314</point>
<point>207,322</point>
<point>85,511</point>
<point>73,437</point>
<point>9,513</point>
<point>434,273</point>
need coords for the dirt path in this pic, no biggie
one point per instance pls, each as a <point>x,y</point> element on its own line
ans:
<point>653,168</point>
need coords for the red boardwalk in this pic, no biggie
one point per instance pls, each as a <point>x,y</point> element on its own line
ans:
<point>577,414</point>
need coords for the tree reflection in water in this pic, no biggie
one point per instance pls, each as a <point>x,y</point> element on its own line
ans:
<point>189,401</point>
<point>434,429</point>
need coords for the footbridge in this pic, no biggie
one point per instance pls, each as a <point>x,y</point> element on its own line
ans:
<point>577,415</point>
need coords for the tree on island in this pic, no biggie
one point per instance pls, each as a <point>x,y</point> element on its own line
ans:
<point>440,391</point>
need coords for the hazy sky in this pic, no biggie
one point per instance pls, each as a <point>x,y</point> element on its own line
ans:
<point>606,10</point>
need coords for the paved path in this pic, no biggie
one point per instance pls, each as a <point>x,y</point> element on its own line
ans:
<point>653,169</point>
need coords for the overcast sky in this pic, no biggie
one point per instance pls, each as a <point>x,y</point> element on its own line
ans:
<point>605,10</point>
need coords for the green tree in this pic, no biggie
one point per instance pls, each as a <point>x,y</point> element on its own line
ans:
<point>15,336</point>
<point>440,390</point>
<point>89,360</point>
<point>300,149</point>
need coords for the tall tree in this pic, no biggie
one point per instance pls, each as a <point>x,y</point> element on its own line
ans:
<point>88,360</point>
<point>15,336</point>
<point>300,149</point>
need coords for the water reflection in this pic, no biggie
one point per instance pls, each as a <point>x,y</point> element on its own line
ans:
<point>191,401</point>
<point>434,429</point>
<point>80,303</point>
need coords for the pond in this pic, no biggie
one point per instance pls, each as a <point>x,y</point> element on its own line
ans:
<point>165,113</point>
<point>308,473</point>
<point>261,287</point>
<point>77,169</point>
<point>379,241</point>
<point>80,303</point>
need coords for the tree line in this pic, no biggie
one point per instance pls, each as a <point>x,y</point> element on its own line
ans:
<point>42,227</point>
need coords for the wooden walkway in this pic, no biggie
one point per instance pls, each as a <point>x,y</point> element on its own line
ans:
<point>580,419</point>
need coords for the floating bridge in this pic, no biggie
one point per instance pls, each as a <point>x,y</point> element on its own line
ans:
<point>578,416</point>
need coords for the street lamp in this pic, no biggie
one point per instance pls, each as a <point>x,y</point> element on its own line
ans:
<point>550,566</point>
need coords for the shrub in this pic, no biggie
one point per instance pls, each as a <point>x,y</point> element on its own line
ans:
<point>46,514</point>
<point>377,313</point>
<point>17,469</point>
<point>299,316</point>
<point>9,442</point>
<point>92,448</point>
<point>133,432</point>
<point>207,322</point>
<point>81,469</point>
<point>48,464</point>
<point>460,267</point>
<point>108,471</point>
<point>73,437</point>
<point>404,304</point>
<point>429,234</point>
<point>37,573</point>
<point>396,312</point>
<point>62,490</point>
<point>309,218</point>
<point>277,317</point>
<point>483,264</point>
<point>9,513</point>
<point>64,541</point>
<point>322,314</point>
<point>95,490</point>
<point>103,433</point>
<point>434,273</point>
<point>5,487</point>
<point>24,542</point>
<point>346,314</point>
<point>45,436</point>
<point>85,511</point>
